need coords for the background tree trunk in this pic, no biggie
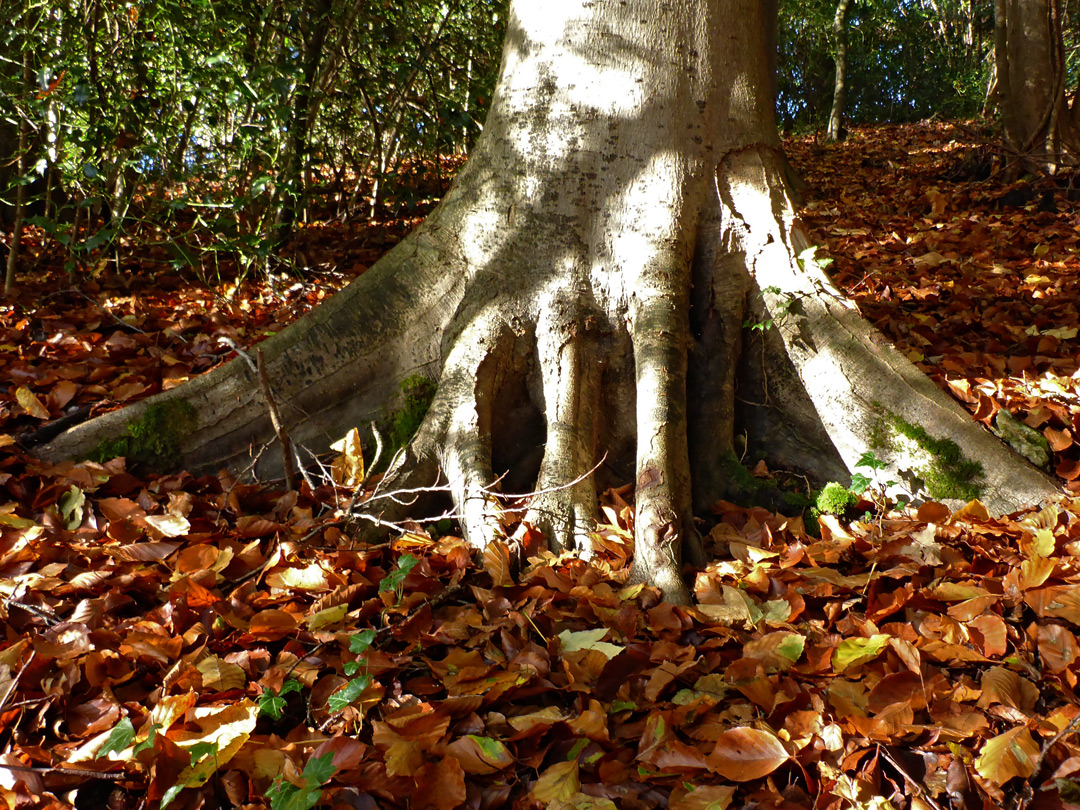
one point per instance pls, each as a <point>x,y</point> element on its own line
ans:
<point>836,131</point>
<point>23,169</point>
<point>623,214</point>
<point>1030,65</point>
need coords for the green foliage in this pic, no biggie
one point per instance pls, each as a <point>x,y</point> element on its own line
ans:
<point>122,735</point>
<point>418,392</point>
<point>154,439</point>
<point>738,481</point>
<point>906,61</point>
<point>347,695</point>
<point>227,121</point>
<point>359,643</point>
<point>859,482</point>
<point>287,796</point>
<point>740,485</point>
<point>835,499</point>
<point>148,743</point>
<point>196,754</point>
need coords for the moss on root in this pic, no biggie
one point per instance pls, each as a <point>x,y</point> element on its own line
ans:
<point>402,423</point>
<point>742,487</point>
<point>949,473</point>
<point>154,439</point>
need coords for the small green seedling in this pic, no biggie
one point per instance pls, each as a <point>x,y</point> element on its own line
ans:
<point>872,486</point>
<point>395,580</point>
<point>783,309</point>
<point>272,704</point>
<point>359,644</point>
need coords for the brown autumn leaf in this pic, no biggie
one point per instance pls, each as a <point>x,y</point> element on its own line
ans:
<point>403,758</point>
<point>440,785</point>
<point>899,688</point>
<point>496,559</point>
<point>272,624</point>
<point>1057,647</point>
<point>255,526</point>
<point>1007,688</point>
<point>994,634</point>
<point>932,512</point>
<point>703,797</point>
<point>559,783</point>
<point>347,751</point>
<point>62,393</point>
<point>1060,440</point>
<point>744,754</point>
<point>220,675</point>
<point>480,755</point>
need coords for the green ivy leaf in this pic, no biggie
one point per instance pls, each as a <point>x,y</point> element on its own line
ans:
<point>859,483</point>
<point>119,738</point>
<point>320,770</point>
<point>286,796</point>
<point>200,750</point>
<point>362,641</point>
<point>148,742</point>
<point>171,794</point>
<point>870,461</point>
<point>345,696</point>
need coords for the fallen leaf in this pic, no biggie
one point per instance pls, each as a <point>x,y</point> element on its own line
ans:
<point>744,754</point>
<point>30,402</point>
<point>1008,756</point>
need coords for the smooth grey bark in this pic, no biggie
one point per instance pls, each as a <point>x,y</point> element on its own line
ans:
<point>580,296</point>
<point>835,130</point>
<point>1029,55</point>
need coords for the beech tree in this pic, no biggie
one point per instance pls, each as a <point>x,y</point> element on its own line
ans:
<point>1029,58</point>
<point>618,279</point>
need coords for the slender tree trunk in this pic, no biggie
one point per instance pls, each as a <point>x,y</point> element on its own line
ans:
<point>836,131</point>
<point>581,292</point>
<point>303,119</point>
<point>24,167</point>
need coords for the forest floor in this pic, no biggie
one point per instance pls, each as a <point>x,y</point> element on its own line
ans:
<point>189,640</point>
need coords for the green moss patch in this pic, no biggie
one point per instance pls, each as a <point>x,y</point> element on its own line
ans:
<point>402,423</point>
<point>154,439</point>
<point>740,486</point>
<point>949,474</point>
<point>835,499</point>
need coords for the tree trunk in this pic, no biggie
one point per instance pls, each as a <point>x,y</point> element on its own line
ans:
<point>23,169</point>
<point>836,130</point>
<point>1029,57</point>
<point>580,296</point>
